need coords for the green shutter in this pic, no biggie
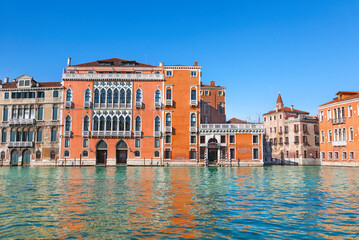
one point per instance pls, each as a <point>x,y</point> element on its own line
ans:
<point>54,113</point>
<point>5,115</point>
<point>31,134</point>
<point>40,114</point>
<point>39,136</point>
<point>4,137</point>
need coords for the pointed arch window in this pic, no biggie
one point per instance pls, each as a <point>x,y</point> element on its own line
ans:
<point>115,96</point>
<point>128,123</point>
<point>102,123</point>
<point>168,120</point>
<point>114,123</point>
<point>97,97</point>
<point>68,123</point>
<point>122,96</point>
<point>157,124</point>
<point>138,124</point>
<point>344,134</point>
<point>103,96</point>
<point>138,96</point>
<point>330,136</point>
<point>69,95</point>
<point>95,123</point>
<point>5,114</point>
<point>351,134</point>
<point>87,95</point>
<point>86,123</point>
<point>128,96</point>
<point>193,120</point>
<point>109,96</point>
<point>108,123</point>
<point>39,135</point>
<point>158,96</point>
<point>38,155</point>
<point>122,124</point>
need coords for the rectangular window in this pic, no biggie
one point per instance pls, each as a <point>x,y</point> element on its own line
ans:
<point>169,94</point>
<point>3,137</point>
<point>232,139</point>
<point>193,139</point>
<point>5,114</point>
<point>27,83</point>
<point>167,154</point>
<point>275,129</point>
<point>6,95</point>
<point>39,136</point>
<point>220,108</point>
<point>192,154</point>
<point>223,139</point>
<point>296,139</point>
<point>336,155</point>
<point>168,139</point>
<point>169,73</point>
<point>232,153</point>
<point>344,156</point>
<point>55,94</point>
<point>323,156</point>
<point>202,139</point>
<point>255,153</point>
<point>53,135</point>
<point>193,73</point>
<point>206,108</point>
<point>206,93</point>
<point>90,72</point>
<point>193,94</point>
<point>330,155</point>
<point>21,83</point>
<point>255,139</point>
<point>85,143</point>
<point>220,93</point>
<point>67,142</point>
<point>40,113</point>
<point>351,155</point>
<point>40,94</point>
<point>157,143</point>
<point>54,113</point>
<point>137,143</point>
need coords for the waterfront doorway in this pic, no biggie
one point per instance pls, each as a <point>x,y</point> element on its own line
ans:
<point>26,156</point>
<point>212,151</point>
<point>121,153</point>
<point>14,158</point>
<point>101,152</point>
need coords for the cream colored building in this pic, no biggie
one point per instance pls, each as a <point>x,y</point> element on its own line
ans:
<point>292,135</point>
<point>30,121</point>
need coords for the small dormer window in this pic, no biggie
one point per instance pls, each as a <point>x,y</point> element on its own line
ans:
<point>193,73</point>
<point>72,72</point>
<point>105,63</point>
<point>138,72</point>
<point>27,82</point>
<point>21,83</point>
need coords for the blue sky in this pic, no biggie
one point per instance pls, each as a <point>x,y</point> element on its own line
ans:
<point>307,50</point>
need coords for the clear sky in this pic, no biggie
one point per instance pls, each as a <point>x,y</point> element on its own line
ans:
<point>307,50</point>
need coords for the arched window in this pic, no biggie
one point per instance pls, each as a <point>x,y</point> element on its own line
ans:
<point>69,95</point>
<point>115,96</point>
<point>158,96</point>
<point>323,139</point>
<point>193,120</point>
<point>108,123</point>
<point>128,123</point>
<point>114,123</point>
<point>109,96</point>
<point>138,124</point>
<point>102,123</point>
<point>169,93</point>
<point>343,111</point>
<point>66,153</point>
<point>39,135</point>
<point>38,155</point>
<point>5,114</point>
<point>137,153</point>
<point>122,124</point>
<point>193,94</point>
<point>86,123</point>
<point>97,97</point>
<point>168,120</point>
<point>351,134</point>
<point>128,96</point>
<point>330,136</point>
<point>122,96</point>
<point>87,95</point>
<point>3,136</point>
<point>32,112</point>
<point>344,134</point>
<point>350,111</point>
<point>157,154</point>
<point>329,113</point>
<point>157,124</point>
<point>53,134</point>
<point>335,134</point>
<point>103,96</point>
<point>52,155</point>
<point>95,123</point>
<point>68,123</point>
<point>85,153</point>
<point>138,96</point>
<point>340,134</point>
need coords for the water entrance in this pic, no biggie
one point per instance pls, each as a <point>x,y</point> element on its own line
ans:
<point>14,158</point>
<point>26,155</point>
<point>121,153</point>
<point>101,152</point>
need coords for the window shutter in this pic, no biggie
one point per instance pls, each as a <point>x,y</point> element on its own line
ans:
<point>31,133</point>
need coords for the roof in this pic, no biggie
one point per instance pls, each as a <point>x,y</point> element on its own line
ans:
<point>340,100</point>
<point>113,62</point>
<point>41,85</point>
<point>346,92</point>
<point>236,120</point>
<point>287,109</point>
<point>279,99</point>
<point>209,86</point>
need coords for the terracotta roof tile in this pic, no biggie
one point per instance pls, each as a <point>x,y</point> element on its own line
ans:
<point>41,85</point>
<point>287,109</point>
<point>236,120</point>
<point>115,62</point>
<point>340,100</point>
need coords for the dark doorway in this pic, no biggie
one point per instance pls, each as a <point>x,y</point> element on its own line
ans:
<point>14,158</point>
<point>26,155</point>
<point>212,155</point>
<point>101,152</point>
<point>121,153</point>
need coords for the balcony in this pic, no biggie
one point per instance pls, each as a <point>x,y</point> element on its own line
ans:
<point>122,105</point>
<point>113,76</point>
<point>169,102</point>
<point>31,121</point>
<point>127,134</point>
<point>280,132</point>
<point>339,120</point>
<point>67,133</point>
<point>139,104</point>
<point>193,129</point>
<point>138,133</point>
<point>339,143</point>
<point>87,104</point>
<point>20,144</point>
<point>168,129</point>
<point>157,134</point>
<point>68,104</point>
<point>96,105</point>
<point>86,133</point>
<point>157,105</point>
<point>108,133</point>
<point>194,103</point>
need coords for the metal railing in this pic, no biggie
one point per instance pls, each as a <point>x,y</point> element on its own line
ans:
<point>138,104</point>
<point>168,129</point>
<point>194,102</point>
<point>157,134</point>
<point>20,144</point>
<point>87,104</point>
<point>31,121</point>
<point>111,133</point>
<point>67,133</point>
<point>169,102</point>
<point>193,129</point>
<point>86,133</point>
<point>339,120</point>
<point>340,143</point>
<point>68,104</point>
<point>232,126</point>
<point>157,105</point>
<point>115,76</point>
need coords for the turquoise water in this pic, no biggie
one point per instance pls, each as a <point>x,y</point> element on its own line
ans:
<point>169,203</point>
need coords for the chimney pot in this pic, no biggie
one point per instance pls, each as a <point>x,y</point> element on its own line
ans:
<point>195,63</point>
<point>14,80</point>
<point>291,107</point>
<point>6,80</point>
<point>68,61</point>
<point>161,64</point>
<point>212,83</point>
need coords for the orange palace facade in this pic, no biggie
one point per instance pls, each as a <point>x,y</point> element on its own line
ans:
<point>339,129</point>
<point>120,112</point>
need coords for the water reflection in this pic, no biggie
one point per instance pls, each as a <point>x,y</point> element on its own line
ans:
<point>193,203</point>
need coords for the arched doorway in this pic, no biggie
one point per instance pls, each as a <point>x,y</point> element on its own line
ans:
<point>14,158</point>
<point>212,150</point>
<point>121,153</point>
<point>101,152</point>
<point>26,155</point>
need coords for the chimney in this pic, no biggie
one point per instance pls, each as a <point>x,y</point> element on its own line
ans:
<point>14,80</point>
<point>161,64</point>
<point>291,107</point>
<point>6,80</point>
<point>195,63</point>
<point>212,83</point>
<point>68,61</point>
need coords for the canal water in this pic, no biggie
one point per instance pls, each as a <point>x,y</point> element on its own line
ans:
<point>170,203</point>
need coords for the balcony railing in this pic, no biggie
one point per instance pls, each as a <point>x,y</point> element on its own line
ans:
<point>339,143</point>
<point>339,120</point>
<point>231,126</point>
<point>138,104</point>
<point>194,103</point>
<point>157,134</point>
<point>20,144</point>
<point>110,133</point>
<point>67,133</point>
<point>157,105</point>
<point>87,104</point>
<point>31,121</point>
<point>68,104</point>
<point>138,133</point>
<point>193,129</point>
<point>169,102</point>
<point>86,133</point>
<point>168,129</point>
<point>114,76</point>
